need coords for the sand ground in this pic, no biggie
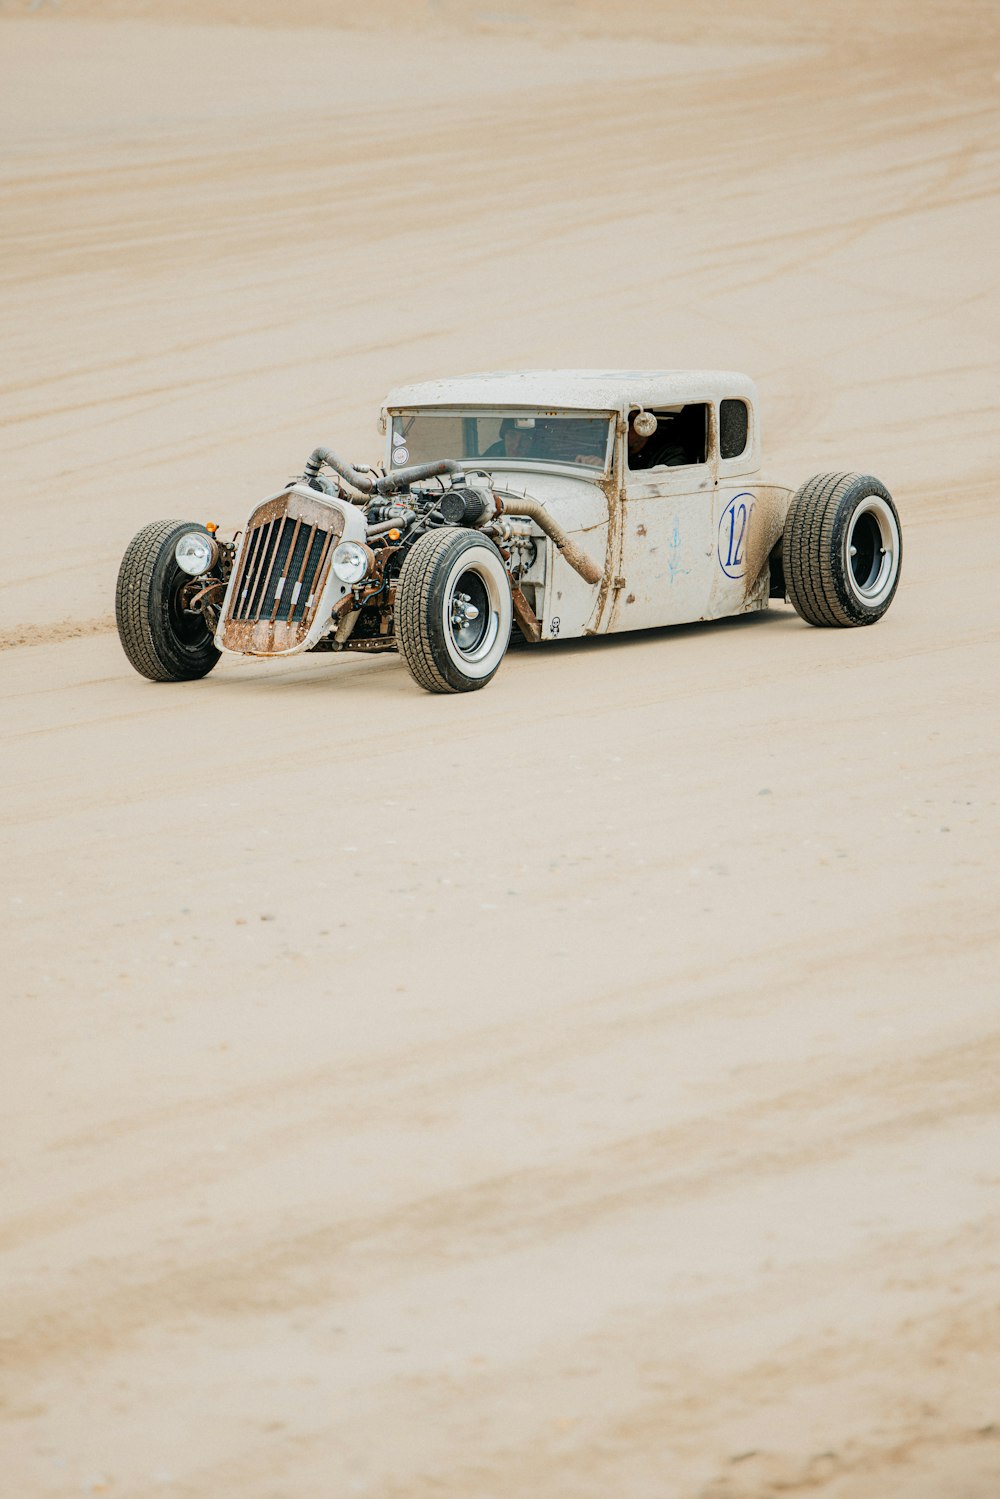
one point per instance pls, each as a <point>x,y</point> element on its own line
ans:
<point>589,1086</point>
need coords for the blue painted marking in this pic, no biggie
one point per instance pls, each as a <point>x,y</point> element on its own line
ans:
<point>733,528</point>
<point>674,568</point>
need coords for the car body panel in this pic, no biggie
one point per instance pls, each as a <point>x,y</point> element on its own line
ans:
<point>657,533</point>
<point>577,390</point>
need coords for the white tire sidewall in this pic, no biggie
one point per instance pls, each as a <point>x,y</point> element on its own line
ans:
<point>885,518</point>
<point>484,560</point>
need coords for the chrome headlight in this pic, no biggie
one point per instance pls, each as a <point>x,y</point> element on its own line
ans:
<point>196,552</point>
<point>351,562</point>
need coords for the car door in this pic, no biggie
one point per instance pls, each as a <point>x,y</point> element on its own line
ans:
<point>668,537</point>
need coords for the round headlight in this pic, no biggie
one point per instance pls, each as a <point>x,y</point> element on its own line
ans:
<point>351,562</point>
<point>195,552</point>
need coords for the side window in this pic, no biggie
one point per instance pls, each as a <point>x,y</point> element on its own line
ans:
<point>734,428</point>
<point>680,439</point>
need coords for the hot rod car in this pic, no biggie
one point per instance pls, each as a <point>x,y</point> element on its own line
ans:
<point>550,503</point>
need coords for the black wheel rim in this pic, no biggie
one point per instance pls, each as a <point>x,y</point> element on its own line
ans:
<point>866,551</point>
<point>467,630</point>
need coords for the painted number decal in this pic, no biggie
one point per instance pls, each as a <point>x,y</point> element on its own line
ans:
<point>733,531</point>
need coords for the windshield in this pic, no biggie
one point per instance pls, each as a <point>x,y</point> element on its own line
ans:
<point>501,437</point>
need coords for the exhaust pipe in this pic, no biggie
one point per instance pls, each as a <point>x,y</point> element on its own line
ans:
<point>534,510</point>
<point>363,483</point>
<point>401,478</point>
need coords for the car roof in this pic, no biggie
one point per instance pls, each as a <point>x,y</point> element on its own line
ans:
<point>587,390</point>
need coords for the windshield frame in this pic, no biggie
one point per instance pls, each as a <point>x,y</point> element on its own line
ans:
<point>533,463</point>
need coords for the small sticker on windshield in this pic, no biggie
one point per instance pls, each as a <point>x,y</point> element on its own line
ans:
<point>400,455</point>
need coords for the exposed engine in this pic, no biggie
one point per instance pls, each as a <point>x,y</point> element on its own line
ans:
<point>401,507</point>
<point>416,499</point>
<point>277,571</point>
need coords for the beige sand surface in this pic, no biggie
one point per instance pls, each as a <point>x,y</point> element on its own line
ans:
<point>587,1087</point>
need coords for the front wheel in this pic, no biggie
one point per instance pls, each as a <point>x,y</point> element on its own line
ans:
<point>161,640</point>
<point>453,611</point>
<point>841,550</point>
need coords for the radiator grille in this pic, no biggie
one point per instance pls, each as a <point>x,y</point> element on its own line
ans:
<point>282,566</point>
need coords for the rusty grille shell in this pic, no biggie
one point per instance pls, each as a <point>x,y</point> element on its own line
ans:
<point>279,575</point>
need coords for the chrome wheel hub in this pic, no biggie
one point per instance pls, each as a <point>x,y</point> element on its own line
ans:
<point>471,612</point>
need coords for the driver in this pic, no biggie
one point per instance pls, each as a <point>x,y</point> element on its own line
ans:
<point>514,441</point>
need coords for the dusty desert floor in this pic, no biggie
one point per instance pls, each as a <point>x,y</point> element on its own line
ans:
<point>589,1086</point>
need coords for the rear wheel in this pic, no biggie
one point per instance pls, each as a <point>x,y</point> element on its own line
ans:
<point>453,611</point>
<point>161,640</point>
<point>841,550</point>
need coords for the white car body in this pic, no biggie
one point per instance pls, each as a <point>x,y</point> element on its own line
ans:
<point>654,532</point>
